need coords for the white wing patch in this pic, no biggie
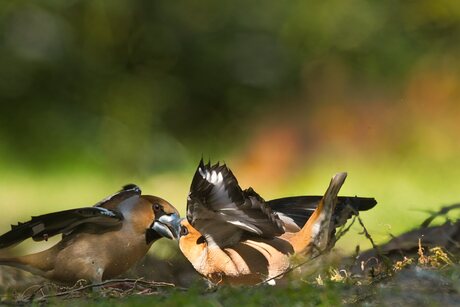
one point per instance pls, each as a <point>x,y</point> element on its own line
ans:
<point>286,219</point>
<point>202,173</point>
<point>105,211</point>
<point>211,177</point>
<point>245,226</point>
<point>38,228</point>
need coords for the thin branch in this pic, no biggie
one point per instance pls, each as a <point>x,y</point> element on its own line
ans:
<point>108,282</point>
<point>444,210</point>
<point>342,231</point>
<point>367,234</point>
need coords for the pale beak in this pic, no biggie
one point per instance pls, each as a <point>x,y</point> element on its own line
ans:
<point>168,226</point>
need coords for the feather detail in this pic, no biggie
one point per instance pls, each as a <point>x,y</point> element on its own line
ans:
<point>299,208</point>
<point>42,227</point>
<point>45,226</point>
<point>219,208</point>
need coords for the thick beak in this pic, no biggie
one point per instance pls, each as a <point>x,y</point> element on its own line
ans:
<point>168,225</point>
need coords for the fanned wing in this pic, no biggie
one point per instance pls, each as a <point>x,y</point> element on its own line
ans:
<point>64,222</point>
<point>44,226</point>
<point>222,211</point>
<point>296,210</point>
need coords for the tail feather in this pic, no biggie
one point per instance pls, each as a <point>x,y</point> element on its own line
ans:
<point>28,263</point>
<point>317,230</point>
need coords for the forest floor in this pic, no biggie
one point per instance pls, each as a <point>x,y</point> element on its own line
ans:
<point>420,267</point>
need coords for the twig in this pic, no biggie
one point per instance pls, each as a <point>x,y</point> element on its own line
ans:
<point>339,235</point>
<point>443,211</point>
<point>384,258</point>
<point>366,233</point>
<point>343,230</point>
<point>34,292</point>
<point>104,283</point>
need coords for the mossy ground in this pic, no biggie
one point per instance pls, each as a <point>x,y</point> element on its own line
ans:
<point>428,277</point>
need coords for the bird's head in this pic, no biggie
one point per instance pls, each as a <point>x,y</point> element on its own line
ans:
<point>191,242</point>
<point>166,220</point>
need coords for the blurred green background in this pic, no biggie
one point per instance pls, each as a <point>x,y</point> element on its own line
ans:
<point>96,94</point>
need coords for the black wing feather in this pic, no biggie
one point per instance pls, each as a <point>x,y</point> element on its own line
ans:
<point>45,226</point>
<point>63,222</point>
<point>300,208</point>
<point>220,209</point>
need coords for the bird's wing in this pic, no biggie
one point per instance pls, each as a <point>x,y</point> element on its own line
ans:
<point>102,215</point>
<point>296,210</point>
<point>112,201</point>
<point>222,211</point>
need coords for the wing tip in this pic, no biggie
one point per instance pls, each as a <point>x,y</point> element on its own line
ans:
<point>366,203</point>
<point>213,173</point>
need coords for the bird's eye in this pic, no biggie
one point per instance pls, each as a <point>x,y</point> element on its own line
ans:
<point>183,231</point>
<point>156,207</point>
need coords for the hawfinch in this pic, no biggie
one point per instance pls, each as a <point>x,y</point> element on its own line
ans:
<point>98,242</point>
<point>233,236</point>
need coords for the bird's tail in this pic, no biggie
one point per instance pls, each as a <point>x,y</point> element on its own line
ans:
<point>315,235</point>
<point>38,263</point>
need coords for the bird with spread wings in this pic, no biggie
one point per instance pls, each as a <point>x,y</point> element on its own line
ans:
<point>98,242</point>
<point>231,235</point>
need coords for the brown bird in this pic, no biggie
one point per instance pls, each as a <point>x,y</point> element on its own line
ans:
<point>98,242</point>
<point>234,236</point>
